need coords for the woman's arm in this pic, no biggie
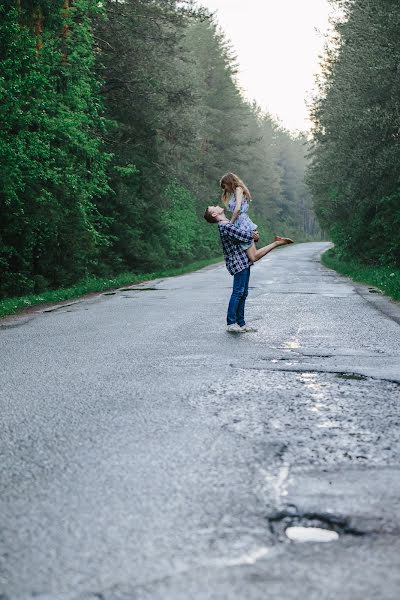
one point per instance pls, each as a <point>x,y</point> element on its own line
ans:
<point>238,205</point>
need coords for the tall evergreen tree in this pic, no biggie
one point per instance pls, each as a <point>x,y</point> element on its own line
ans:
<point>50,159</point>
<point>80,194</point>
<point>354,175</point>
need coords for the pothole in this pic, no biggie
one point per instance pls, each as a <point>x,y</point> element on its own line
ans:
<point>310,527</point>
<point>59,307</point>
<point>141,289</point>
<point>351,376</point>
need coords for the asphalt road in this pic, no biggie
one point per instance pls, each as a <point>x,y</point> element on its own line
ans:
<point>146,453</point>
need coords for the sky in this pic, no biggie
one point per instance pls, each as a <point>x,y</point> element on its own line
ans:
<point>277,46</point>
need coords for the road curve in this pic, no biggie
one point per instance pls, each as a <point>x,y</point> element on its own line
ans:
<point>146,453</point>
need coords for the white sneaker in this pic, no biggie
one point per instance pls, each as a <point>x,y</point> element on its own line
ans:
<point>248,328</point>
<point>233,328</point>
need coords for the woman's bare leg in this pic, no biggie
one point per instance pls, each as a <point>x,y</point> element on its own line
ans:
<point>255,255</point>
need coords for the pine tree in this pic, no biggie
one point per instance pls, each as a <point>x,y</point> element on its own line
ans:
<point>51,163</point>
<point>354,175</point>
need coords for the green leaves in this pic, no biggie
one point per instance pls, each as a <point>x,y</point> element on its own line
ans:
<point>51,162</point>
<point>180,224</point>
<point>114,134</point>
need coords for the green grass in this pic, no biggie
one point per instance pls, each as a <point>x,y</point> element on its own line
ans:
<point>10,306</point>
<point>386,279</point>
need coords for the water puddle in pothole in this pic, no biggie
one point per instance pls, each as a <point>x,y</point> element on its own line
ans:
<point>311,534</point>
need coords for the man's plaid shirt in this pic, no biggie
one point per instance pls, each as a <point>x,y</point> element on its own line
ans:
<point>236,258</point>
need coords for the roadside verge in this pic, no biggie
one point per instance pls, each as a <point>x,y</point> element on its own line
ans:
<point>386,279</point>
<point>10,306</point>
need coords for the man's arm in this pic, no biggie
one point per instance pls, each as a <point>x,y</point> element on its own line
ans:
<point>239,235</point>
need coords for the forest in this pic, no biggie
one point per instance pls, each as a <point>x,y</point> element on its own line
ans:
<point>354,173</point>
<point>117,121</point>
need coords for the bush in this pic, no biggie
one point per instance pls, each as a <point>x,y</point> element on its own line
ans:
<point>180,224</point>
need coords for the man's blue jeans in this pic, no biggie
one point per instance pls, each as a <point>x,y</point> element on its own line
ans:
<point>238,298</point>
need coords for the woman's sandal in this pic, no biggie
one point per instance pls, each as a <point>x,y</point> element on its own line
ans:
<point>278,238</point>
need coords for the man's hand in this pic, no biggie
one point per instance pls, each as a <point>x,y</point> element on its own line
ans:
<point>256,235</point>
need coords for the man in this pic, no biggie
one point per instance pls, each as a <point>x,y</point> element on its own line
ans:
<point>238,263</point>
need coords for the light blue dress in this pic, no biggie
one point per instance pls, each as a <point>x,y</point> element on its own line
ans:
<point>243,220</point>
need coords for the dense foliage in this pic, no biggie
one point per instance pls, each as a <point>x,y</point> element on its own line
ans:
<point>51,163</point>
<point>355,174</point>
<point>117,121</point>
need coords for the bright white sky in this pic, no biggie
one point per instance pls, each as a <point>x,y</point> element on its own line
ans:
<point>277,46</point>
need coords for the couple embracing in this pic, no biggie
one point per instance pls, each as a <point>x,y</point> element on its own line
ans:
<point>238,237</point>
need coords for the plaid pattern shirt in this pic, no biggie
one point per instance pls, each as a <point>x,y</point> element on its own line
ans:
<point>236,258</point>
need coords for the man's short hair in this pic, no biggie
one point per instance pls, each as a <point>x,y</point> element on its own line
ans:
<point>208,216</point>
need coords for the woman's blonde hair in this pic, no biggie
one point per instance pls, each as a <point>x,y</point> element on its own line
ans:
<point>229,182</point>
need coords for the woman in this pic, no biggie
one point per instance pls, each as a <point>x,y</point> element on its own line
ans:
<point>236,197</point>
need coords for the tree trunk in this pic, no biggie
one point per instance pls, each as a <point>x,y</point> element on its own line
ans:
<point>38,28</point>
<point>64,34</point>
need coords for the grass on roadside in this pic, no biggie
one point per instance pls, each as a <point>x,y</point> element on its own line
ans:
<point>9,306</point>
<point>386,279</point>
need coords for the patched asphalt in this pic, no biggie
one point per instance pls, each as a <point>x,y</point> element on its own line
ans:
<point>146,453</point>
